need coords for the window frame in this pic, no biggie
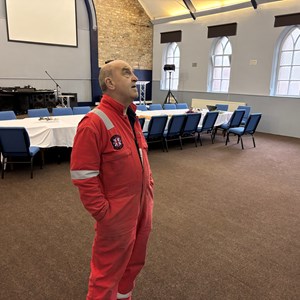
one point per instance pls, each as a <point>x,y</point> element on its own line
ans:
<point>212,67</point>
<point>277,58</point>
<point>171,59</point>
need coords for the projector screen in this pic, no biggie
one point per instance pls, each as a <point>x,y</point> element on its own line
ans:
<point>42,21</point>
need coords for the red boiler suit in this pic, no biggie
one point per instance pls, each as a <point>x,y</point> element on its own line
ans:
<point>110,167</point>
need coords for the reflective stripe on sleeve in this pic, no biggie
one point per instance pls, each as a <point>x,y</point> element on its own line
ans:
<point>107,122</point>
<point>84,174</point>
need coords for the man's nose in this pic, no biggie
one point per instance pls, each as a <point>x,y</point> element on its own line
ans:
<point>134,78</point>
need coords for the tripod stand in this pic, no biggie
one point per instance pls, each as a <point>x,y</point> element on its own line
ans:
<point>168,97</point>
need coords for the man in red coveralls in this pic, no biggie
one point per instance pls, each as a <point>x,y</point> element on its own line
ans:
<point>110,167</point>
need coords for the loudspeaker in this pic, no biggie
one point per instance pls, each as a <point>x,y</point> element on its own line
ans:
<point>69,100</point>
<point>38,101</point>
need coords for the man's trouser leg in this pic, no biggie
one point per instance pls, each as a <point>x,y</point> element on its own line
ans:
<point>110,256</point>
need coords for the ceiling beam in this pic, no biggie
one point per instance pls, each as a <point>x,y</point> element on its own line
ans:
<point>189,5</point>
<point>210,12</point>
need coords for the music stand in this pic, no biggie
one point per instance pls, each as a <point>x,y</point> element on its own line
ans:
<point>170,69</point>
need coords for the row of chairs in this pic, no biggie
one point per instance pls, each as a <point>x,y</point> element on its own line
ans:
<point>44,112</point>
<point>158,106</point>
<point>187,126</point>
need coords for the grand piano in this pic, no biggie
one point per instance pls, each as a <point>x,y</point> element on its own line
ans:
<point>20,99</point>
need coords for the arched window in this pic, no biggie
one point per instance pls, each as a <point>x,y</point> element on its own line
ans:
<point>219,74</point>
<point>171,57</point>
<point>286,77</point>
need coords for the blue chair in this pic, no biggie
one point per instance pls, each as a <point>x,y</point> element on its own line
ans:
<point>15,143</point>
<point>234,121</point>
<point>190,127</point>
<point>142,122</point>
<point>156,129</point>
<point>208,125</point>
<point>182,106</point>
<point>81,110</point>
<point>7,115</point>
<point>141,107</point>
<point>38,112</point>
<point>62,111</point>
<point>156,106</point>
<point>174,129</point>
<point>247,110</point>
<point>249,128</point>
<point>169,106</point>
<point>223,107</point>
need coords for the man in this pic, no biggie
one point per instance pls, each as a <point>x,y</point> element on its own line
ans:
<point>110,167</point>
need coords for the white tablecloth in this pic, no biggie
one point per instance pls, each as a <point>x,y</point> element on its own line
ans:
<point>58,131</point>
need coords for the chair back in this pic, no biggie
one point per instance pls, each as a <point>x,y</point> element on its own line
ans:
<point>62,111</point>
<point>141,107</point>
<point>247,110</point>
<point>169,106</point>
<point>236,118</point>
<point>156,106</point>
<point>7,115</point>
<point>209,121</point>
<point>14,141</point>
<point>156,126</point>
<point>38,112</point>
<point>252,122</point>
<point>81,110</point>
<point>182,106</point>
<point>223,107</point>
<point>175,125</point>
<point>142,122</point>
<point>191,123</point>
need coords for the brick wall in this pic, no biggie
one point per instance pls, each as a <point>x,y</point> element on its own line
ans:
<point>124,32</point>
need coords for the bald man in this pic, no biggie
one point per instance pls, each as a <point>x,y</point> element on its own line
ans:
<point>110,167</point>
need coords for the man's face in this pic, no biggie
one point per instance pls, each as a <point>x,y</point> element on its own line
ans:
<point>124,82</point>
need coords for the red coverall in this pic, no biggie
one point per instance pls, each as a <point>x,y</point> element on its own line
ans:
<point>116,187</point>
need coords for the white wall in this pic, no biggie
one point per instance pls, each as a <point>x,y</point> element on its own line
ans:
<point>255,40</point>
<point>25,64</point>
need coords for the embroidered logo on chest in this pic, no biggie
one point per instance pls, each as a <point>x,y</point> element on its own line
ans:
<point>116,142</point>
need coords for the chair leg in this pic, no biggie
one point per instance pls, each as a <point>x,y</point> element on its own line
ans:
<point>195,140</point>
<point>2,168</point>
<point>31,167</point>
<point>242,143</point>
<point>253,141</point>
<point>166,143</point>
<point>227,138</point>
<point>180,140</point>
<point>199,137</point>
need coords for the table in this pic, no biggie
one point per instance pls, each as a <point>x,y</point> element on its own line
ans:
<point>223,116</point>
<point>56,132</point>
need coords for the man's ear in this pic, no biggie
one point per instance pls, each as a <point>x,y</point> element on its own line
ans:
<point>109,83</point>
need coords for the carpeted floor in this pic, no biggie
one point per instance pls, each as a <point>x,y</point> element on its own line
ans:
<point>226,226</point>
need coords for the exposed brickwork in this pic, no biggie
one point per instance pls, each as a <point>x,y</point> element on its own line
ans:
<point>124,32</point>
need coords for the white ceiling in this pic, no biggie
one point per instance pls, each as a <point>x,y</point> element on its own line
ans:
<point>168,10</point>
